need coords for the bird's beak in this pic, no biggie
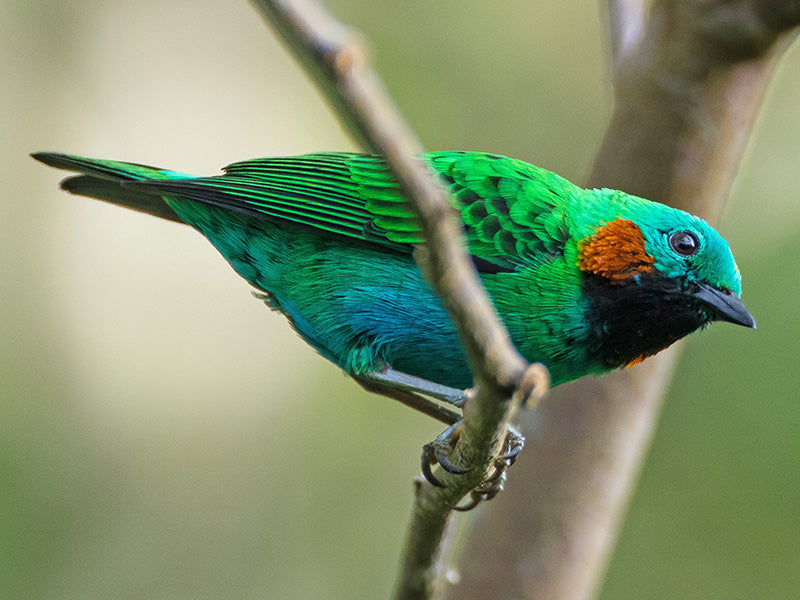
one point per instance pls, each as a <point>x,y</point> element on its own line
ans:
<point>726,306</point>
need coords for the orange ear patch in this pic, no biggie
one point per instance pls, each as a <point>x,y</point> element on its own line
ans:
<point>616,252</point>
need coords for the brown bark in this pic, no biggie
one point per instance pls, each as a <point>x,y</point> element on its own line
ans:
<point>689,78</point>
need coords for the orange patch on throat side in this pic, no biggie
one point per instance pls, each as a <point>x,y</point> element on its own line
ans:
<point>643,357</point>
<point>616,252</point>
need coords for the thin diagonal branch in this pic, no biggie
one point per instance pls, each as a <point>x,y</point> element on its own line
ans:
<point>337,62</point>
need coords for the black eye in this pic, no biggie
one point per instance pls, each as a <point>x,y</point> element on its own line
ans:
<point>684,243</point>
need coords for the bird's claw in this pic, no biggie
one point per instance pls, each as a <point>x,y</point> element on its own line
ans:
<point>512,446</point>
<point>488,490</point>
<point>438,452</point>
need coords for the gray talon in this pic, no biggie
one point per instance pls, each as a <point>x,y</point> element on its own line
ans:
<point>439,450</point>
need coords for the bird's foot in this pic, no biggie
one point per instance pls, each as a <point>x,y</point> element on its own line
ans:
<point>438,452</point>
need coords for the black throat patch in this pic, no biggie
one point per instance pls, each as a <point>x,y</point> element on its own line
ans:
<point>639,318</point>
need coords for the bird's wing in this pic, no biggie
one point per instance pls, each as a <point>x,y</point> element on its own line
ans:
<point>513,213</point>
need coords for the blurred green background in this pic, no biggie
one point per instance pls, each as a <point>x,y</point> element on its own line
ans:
<point>163,435</point>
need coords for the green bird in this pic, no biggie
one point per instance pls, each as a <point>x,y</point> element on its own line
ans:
<point>585,280</point>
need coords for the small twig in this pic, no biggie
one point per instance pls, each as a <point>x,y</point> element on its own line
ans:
<point>337,61</point>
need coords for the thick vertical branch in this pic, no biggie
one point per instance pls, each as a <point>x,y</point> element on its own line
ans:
<point>686,97</point>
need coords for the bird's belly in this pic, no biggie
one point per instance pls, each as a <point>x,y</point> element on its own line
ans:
<point>365,312</point>
<point>359,307</point>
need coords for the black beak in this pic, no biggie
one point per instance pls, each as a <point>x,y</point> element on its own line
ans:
<point>726,306</point>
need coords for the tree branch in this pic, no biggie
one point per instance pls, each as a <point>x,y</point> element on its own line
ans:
<point>337,62</point>
<point>627,20</point>
<point>685,102</point>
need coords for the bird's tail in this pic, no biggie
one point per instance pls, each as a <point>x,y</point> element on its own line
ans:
<point>105,179</point>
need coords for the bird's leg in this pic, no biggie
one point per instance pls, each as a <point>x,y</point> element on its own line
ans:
<point>403,381</point>
<point>409,390</point>
<point>409,398</point>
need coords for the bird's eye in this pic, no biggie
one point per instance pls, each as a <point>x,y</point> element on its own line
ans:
<point>684,243</point>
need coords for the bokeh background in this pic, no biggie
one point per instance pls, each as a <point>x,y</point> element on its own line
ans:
<point>163,435</point>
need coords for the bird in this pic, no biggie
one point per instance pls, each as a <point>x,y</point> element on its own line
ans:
<point>585,280</point>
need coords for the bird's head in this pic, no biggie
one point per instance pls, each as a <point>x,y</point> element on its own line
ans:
<point>655,274</point>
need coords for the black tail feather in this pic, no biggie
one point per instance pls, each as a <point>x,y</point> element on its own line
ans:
<point>114,192</point>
